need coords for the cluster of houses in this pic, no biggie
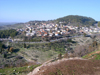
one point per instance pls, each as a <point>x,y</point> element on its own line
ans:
<point>91,30</point>
<point>47,30</point>
<point>52,29</point>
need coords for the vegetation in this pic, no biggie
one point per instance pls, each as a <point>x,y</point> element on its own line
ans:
<point>77,67</point>
<point>65,55</point>
<point>81,50</point>
<point>58,46</point>
<point>7,33</point>
<point>95,55</point>
<point>9,58</point>
<point>55,46</point>
<point>24,45</point>
<point>77,19</point>
<point>42,52</point>
<point>18,70</point>
<point>60,56</point>
<point>99,24</point>
<point>2,45</point>
<point>15,54</point>
<point>32,39</point>
<point>12,56</point>
<point>39,52</point>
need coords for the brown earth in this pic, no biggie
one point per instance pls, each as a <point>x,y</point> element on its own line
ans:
<point>72,66</point>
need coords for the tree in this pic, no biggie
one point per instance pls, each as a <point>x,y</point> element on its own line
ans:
<point>24,45</point>
<point>69,40</point>
<point>5,55</point>
<point>24,32</point>
<point>8,48</point>
<point>99,24</point>
<point>3,46</point>
<point>94,44</point>
<point>0,50</point>
<point>7,33</point>
<point>53,36</point>
<point>84,34</point>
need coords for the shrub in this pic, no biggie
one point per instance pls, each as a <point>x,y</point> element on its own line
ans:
<point>60,56</point>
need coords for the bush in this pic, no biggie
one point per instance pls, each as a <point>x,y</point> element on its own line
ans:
<point>66,55</point>
<point>5,55</point>
<point>19,57</point>
<point>60,56</point>
<point>11,49</point>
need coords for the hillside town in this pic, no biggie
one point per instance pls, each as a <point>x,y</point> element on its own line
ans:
<point>52,29</point>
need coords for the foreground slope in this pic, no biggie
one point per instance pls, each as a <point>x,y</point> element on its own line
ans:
<point>71,66</point>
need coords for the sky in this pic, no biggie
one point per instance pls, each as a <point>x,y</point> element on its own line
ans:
<point>28,10</point>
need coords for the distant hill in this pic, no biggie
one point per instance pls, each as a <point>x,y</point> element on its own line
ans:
<point>67,20</point>
<point>7,23</point>
<point>12,26</point>
<point>75,19</point>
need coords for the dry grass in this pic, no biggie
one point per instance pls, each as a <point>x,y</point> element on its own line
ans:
<point>72,67</point>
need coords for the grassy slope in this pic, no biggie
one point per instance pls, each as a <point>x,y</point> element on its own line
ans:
<point>40,56</point>
<point>93,55</point>
<point>40,52</point>
<point>18,70</point>
<point>29,54</point>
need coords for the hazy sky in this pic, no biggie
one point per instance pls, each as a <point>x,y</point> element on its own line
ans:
<point>26,10</point>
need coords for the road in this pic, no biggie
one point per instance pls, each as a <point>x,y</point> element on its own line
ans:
<point>49,41</point>
<point>11,40</point>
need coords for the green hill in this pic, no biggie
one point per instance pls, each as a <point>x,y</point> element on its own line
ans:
<point>75,19</point>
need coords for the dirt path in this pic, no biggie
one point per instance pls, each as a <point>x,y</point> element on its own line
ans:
<point>94,53</point>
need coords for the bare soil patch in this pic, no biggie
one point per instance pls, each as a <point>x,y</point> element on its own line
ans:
<point>69,67</point>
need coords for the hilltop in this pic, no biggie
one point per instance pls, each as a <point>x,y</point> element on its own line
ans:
<point>76,20</point>
<point>69,20</point>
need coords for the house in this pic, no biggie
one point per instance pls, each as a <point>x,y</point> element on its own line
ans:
<point>56,34</point>
<point>45,34</point>
<point>50,34</point>
<point>39,33</point>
